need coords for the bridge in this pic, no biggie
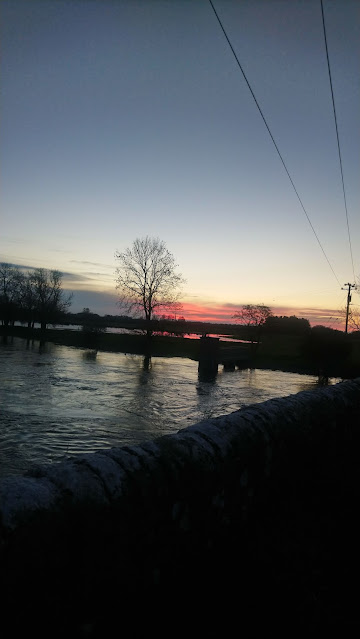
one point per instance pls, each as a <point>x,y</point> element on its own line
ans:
<point>214,351</point>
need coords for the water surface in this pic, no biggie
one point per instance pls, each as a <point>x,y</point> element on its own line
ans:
<point>58,401</point>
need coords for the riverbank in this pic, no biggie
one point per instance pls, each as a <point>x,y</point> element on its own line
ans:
<point>136,344</point>
<point>290,353</point>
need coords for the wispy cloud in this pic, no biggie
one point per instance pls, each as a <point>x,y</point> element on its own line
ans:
<point>22,267</point>
<point>13,240</point>
<point>92,263</point>
<point>75,277</point>
<point>222,313</point>
<point>98,274</point>
<point>66,276</point>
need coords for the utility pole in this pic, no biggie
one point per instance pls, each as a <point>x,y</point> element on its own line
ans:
<point>349,287</point>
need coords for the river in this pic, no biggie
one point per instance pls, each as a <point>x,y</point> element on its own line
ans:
<point>59,401</point>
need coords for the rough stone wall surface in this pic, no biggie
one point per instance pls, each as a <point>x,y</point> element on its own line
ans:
<point>147,517</point>
<point>254,443</point>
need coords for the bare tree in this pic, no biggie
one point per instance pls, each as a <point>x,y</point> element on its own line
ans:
<point>10,292</point>
<point>354,311</point>
<point>49,296</point>
<point>146,278</point>
<point>354,318</point>
<point>253,316</point>
<point>28,299</point>
<point>176,309</point>
<point>33,296</point>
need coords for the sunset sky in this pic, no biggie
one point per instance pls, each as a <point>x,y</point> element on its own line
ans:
<point>127,118</point>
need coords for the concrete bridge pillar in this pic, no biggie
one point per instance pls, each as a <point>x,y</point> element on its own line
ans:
<point>208,357</point>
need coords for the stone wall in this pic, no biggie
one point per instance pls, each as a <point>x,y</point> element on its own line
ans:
<point>187,518</point>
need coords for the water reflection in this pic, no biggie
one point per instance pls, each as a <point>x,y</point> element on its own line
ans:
<point>90,355</point>
<point>251,377</point>
<point>57,400</point>
<point>145,369</point>
<point>208,377</point>
<point>319,382</point>
<point>43,347</point>
<point>36,345</point>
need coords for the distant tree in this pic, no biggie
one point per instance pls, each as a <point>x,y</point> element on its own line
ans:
<point>176,308</point>
<point>147,279</point>
<point>28,299</point>
<point>93,326</point>
<point>50,301</point>
<point>354,319</point>
<point>253,316</point>
<point>354,311</point>
<point>180,326</point>
<point>10,292</point>
<point>33,296</point>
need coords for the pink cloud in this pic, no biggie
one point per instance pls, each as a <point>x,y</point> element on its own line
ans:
<point>222,313</point>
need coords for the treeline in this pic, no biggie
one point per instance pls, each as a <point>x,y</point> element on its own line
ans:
<point>162,324</point>
<point>91,320</point>
<point>273,325</point>
<point>32,296</point>
<point>86,317</point>
<point>290,325</point>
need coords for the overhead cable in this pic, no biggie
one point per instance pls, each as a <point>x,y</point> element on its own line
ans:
<point>337,136</point>
<point>273,140</point>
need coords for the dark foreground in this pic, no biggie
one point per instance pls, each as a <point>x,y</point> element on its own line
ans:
<point>291,571</point>
<point>294,572</point>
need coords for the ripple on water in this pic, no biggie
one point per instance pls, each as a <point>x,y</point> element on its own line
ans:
<point>59,403</point>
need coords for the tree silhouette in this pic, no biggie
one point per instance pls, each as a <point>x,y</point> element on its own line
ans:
<point>10,291</point>
<point>49,296</point>
<point>147,279</point>
<point>35,296</point>
<point>253,316</point>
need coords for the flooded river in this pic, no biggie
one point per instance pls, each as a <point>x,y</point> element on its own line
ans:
<point>59,401</point>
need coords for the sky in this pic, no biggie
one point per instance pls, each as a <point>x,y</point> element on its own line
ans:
<point>127,118</point>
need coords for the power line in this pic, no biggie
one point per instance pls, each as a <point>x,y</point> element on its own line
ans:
<point>337,135</point>
<point>272,138</point>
